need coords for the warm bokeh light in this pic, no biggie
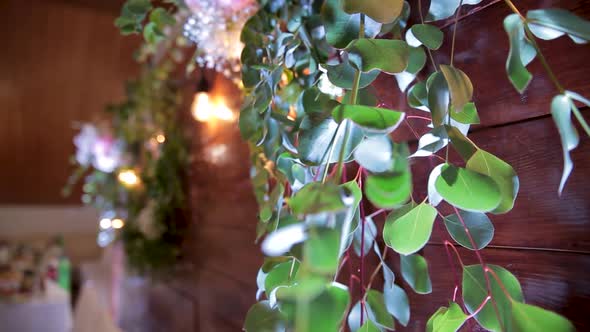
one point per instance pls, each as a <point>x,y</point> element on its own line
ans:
<point>118,223</point>
<point>105,223</point>
<point>205,108</point>
<point>201,107</point>
<point>161,138</point>
<point>128,178</point>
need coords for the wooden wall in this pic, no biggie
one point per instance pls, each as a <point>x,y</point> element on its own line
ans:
<point>544,241</point>
<point>61,62</point>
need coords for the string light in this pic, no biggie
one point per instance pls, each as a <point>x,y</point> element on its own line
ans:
<point>105,223</point>
<point>118,223</point>
<point>128,178</point>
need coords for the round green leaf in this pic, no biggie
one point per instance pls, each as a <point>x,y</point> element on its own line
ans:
<point>317,136</point>
<point>446,319</point>
<point>486,163</point>
<point>321,250</point>
<point>517,72</point>
<point>388,191</point>
<point>475,291</point>
<point>389,56</point>
<point>316,197</point>
<point>342,28</point>
<point>397,303</point>
<point>262,318</point>
<point>438,98</point>
<point>479,225</point>
<point>429,35</point>
<point>382,11</point>
<point>530,318</point>
<point>342,75</point>
<point>378,312</point>
<point>325,312</point>
<point>410,232</point>
<point>459,85</point>
<point>281,274</point>
<point>373,119</point>
<point>415,272</point>
<point>468,190</point>
<point>375,154</point>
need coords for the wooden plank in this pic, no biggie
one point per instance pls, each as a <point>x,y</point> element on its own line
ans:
<point>481,50</point>
<point>554,281</point>
<point>62,64</point>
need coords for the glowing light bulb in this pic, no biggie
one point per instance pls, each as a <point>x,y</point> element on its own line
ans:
<point>128,178</point>
<point>118,223</point>
<point>160,138</point>
<point>223,112</point>
<point>201,108</point>
<point>105,223</point>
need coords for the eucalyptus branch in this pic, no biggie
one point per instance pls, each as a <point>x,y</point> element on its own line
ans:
<point>581,119</point>
<point>455,32</point>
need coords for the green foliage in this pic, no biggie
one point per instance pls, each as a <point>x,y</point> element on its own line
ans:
<point>314,132</point>
<point>318,134</point>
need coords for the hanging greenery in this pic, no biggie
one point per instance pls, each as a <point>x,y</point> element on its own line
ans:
<point>134,162</point>
<point>322,155</point>
<point>325,165</point>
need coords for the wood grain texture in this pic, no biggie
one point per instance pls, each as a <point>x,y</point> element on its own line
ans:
<point>61,63</point>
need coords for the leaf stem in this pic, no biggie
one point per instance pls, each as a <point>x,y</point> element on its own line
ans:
<point>533,41</point>
<point>455,32</point>
<point>580,118</point>
<point>483,266</point>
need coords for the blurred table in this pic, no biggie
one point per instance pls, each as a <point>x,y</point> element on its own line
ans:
<point>48,312</point>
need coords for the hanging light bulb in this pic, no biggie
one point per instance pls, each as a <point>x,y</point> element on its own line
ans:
<point>201,107</point>
<point>205,108</point>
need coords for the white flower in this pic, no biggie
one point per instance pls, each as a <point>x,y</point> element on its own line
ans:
<point>84,143</point>
<point>101,151</point>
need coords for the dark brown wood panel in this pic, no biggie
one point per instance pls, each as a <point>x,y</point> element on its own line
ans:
<point>555,281</point>
<point>61,62</point>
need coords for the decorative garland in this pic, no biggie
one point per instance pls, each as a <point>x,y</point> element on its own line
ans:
<point>320,161</point>
<point>324,164</point>
<point>138,159</point>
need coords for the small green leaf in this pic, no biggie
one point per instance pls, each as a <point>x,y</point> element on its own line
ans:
<point>468,115</point>
<point>410,232</point>
<point>429,35</point>
<point>479,225</point>
<point>373,119</point>
<point>321,250</point>
<point>559,20</point>
<point>138,7</point>
<point>342,75</point>
<point>262,318</point>
<point>342,28</point>
<point>475,292</point>
<point>459,85</point>
<point>388,191</point>
<point>431,142</point>
<point>375,154</point>
<point>152,34</point>
<point>316,197</point>
<point>517,72</point>
<point>397,303</point>
<point>446,319</point>
<point>486,163</point>
<point>161,17</point>
<point>378,313</point>
<point>389,56</point>
<point>530,318</point>
<point>438,98</point>
<point>324,313</point>
<point>317,136</point>
<point>418,96</point>
<point>368,326</point>
<point>416,60</point>
<point>382,11</point>
<point>468,190</point>
<point>463,145</point>
<point>561,112</point>
<point>282,274</point>
<point>415,272</point>
<point>441,9</point>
